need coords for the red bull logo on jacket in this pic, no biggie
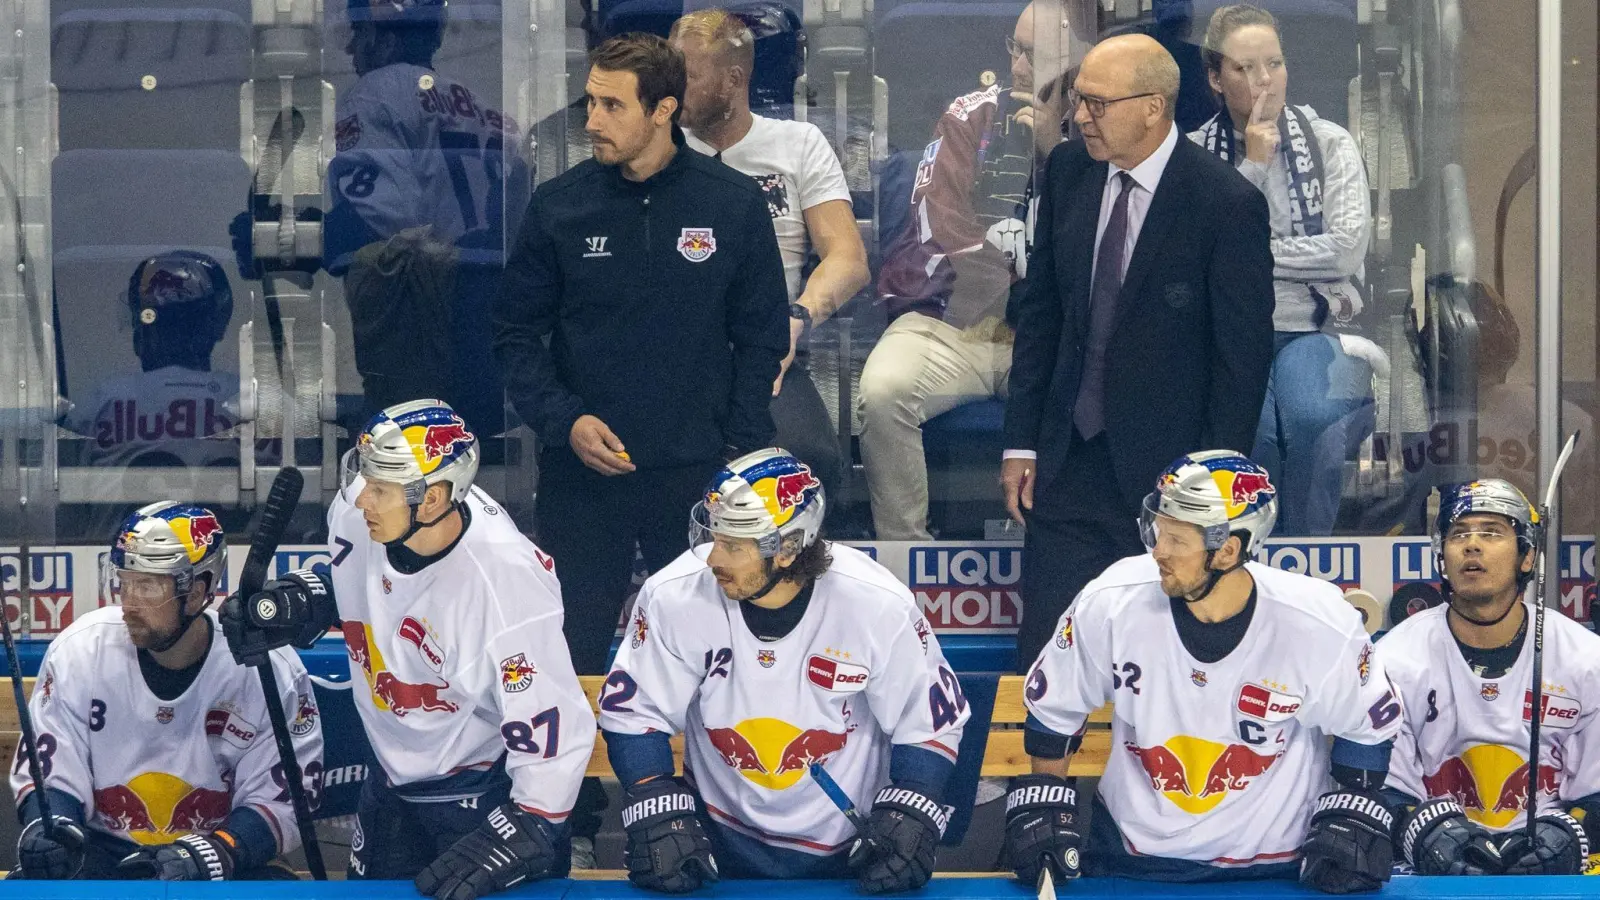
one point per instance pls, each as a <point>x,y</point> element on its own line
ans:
<point>388,692</point>
<point>697,244</point>
<point>1197,774</point>
<point>773,753</point>
<point>1490,782</point>
<point>156,808</point>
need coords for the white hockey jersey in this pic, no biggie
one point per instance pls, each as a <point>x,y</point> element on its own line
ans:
<point>860,672</point>
<point>464,661</point>
<point>416,148</point>
<point>1467,737</point>
<point>149,770</point>
<point>1217,763</point>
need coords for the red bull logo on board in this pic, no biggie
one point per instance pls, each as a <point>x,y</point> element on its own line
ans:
<point>1197,774</point>
<point>773,753</point>
<point>1490,782</point>
<point>156,808</point>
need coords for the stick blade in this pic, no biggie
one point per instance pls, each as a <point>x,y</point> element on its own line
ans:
<point>1047,884</point>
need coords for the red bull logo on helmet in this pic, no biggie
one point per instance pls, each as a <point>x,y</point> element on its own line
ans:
<point>156,808</point>
<point>1242,491</point>
<point>1490,782</point>
<point>784,493</point>
<point>773,753</point>
<point>1196,774</point>
<point>435,445</point>
<point>198,534</point>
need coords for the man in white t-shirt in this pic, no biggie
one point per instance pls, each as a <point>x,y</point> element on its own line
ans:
<point>810,205</point>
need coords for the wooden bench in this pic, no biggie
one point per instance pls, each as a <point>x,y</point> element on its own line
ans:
<point>1003,753</point>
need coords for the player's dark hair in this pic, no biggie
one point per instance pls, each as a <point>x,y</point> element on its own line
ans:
<point>652,60</point>
<point>811,564</point>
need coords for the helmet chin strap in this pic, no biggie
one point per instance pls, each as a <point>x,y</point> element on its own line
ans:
<point>774,576</point>
<point>1212,580</point>
<point>417,525</point>
<point>1483,623</point>
<point>185,621</point>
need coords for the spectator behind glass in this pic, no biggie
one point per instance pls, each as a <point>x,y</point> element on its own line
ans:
<point>422,184</point>
<point>949,274</point>
<point>807,199</point>
<point>1319,404</point>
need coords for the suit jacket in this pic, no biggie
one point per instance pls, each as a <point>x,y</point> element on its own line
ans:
<point>1191,344</point>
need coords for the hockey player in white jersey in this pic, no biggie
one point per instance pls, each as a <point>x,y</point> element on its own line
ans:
<point>1225,677</point>
<point>772,650</point>
<point>1460,772</point>
<point>157,755</point>
<point>452,620</point>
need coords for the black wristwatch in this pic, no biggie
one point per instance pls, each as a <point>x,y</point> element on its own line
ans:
<point>799,311</point>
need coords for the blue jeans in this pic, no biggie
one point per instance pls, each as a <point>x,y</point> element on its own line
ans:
<point>1318,410</point>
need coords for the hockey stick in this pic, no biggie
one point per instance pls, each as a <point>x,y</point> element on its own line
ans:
<point>845,805</point>
<point>1536,696</point>
<point>30,741</point>
<point>275,513</point>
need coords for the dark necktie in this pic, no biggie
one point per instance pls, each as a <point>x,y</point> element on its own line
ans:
<point>1088,413</point>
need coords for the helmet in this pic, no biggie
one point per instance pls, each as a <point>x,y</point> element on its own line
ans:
<point>168,538</point>
<point>181,290</point>
<point>767,496</point>
<point>416,444</point>
<point>1221,491</point>
<point>398,12</point>
<point>1490,495</point>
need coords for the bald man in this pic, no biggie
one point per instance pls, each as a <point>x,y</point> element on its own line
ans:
<point>1145,330</point>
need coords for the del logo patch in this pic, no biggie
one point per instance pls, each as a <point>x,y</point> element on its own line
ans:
<point>1265,704</point>
<point>697,244</point>
<point>836,676</point>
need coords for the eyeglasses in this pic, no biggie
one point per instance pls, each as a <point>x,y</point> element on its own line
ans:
<point>1487,536</point>
<point>1016,49</point>
<point>1097,106</point>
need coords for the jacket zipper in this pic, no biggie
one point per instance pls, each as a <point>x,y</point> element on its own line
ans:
<point>649,249</point>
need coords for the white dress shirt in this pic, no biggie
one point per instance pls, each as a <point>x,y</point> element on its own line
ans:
<point>1146,176</point>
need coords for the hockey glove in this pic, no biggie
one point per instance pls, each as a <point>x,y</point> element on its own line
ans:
<point>1350,846</point>
<point>42,857</point>
<point>1438,839</point>
<point>667,846</point>
<point>193,857</point>
<point>293,610</point>
<point>1042,828</point>
<point>896,851</point>
<point>1559,847</point>
<point>510,847</point>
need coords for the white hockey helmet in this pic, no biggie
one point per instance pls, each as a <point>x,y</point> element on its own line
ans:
<point>415,444</point>
<point>1221,491</point>
<point>167,538</point>
<point>768,496</point>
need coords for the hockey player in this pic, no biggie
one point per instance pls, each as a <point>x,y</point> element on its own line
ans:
<point>770,650</point>
<point>155,746</point>
<point>1463,671</point>
<point>452,620</point>
<point>1226,677</point>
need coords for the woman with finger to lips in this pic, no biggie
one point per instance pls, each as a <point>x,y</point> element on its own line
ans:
<point>1319,404</point>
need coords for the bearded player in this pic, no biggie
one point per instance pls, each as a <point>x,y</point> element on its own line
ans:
<point>1226,678</point>
<point>452,620</point>
<point>156,749</point>
<point>772,650</point>
<point>1460,768</point>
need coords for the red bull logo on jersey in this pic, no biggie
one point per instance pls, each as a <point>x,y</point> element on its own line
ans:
<point>516,674</point>
<point>697,244</point>
<point>971,589</point>
<point>388,692</point>
<point>1064,636</point>
<point>305,716</point>
<point>773,753</point>
<point>833,675</point>
<point>1263,703</point>
<point>1490,782</point>
<point>1197,774</point>
<point>156,808</point>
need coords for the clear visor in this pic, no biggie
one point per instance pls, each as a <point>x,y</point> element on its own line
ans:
<point>136,590</point>
<point>350,482</point>
<point>702,533</point>
<point>1174,535</point>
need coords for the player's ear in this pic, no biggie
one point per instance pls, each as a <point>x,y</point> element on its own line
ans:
<point>435,499</point>
<point>1229,555</point>
<point>199,595</point>
<point>1527,560</point>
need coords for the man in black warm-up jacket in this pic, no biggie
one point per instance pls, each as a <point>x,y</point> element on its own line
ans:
<point>655,274</point>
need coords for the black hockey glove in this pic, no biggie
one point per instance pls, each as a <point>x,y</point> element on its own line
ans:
<point>1350,846</point>
<point>1559,847</point>
<point>294,610</point>
<point>1042,828</point>
<point>895,853</point>
<point>667,846</point>
<point>193,857</point>
<point>1439,839</point>
<point>510,847</point>
<point>42,857</point>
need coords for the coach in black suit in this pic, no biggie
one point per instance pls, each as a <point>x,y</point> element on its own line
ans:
<point>1145,332</point>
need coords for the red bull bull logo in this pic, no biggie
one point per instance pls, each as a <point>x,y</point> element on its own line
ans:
<point>1490,770</point>
<point>697,244</point>
<point>783,494</point>
<point>1197,774</point>
<point>516,674</point>
<point>1241,490</point>
<point>156,808</point>
<point>388,692</point>
<point>773,753</point>
<point>197,534</point>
